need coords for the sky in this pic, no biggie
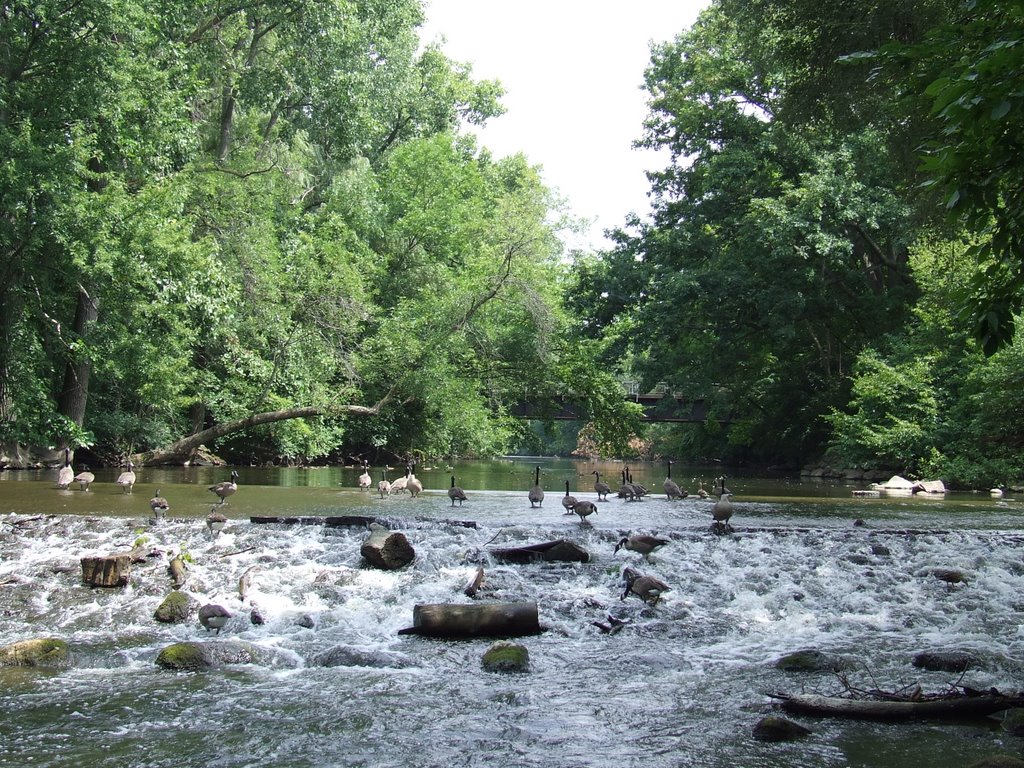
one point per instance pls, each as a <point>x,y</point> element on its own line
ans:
<point>572,71</point>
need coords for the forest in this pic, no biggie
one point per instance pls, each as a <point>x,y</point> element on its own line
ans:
<point>262,230</point>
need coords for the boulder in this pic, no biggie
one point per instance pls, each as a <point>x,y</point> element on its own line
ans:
<point>176,608</point>
<point>37,652</point>
<point>347,656</point>
<point>506,657</point>
<point>774,728</point>
<point>809,660</point>
<point>929,486</point>
<point>194,656</point>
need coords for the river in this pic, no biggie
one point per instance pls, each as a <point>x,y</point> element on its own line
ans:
<point>682,684</point>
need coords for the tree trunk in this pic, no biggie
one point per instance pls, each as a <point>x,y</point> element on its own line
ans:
<point>75,391</point>
<point>959,706</point>
<point>474,620</point>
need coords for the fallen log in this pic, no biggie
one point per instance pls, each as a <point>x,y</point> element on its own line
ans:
<point>550,551</point>
<point>946,707</point>
<point>450,620</point>
<point>349,521</point>
<point>106,571</point>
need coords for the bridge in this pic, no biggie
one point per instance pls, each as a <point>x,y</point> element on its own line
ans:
<point>659,405</point>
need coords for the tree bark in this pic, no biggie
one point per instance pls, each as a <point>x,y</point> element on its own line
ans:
<point>75,391</point>
<point>474,620</point>
<point>884,709</point>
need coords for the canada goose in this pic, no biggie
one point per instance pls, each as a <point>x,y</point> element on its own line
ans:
<point>401,484</point>
<point>626,490</point>
<point>568,501</point>
<point>213,616</point>
<point>66,476</point>
<point>226,488</point>
<point>364,479</point>
<point>583,509</point>
<point>383,486</point>
<point>159,506</point>
<point>602,489</point>
<point>127,478</point>
<point>700,491</point>
<point>456,493</point>
<point>722,510</point>
<point>647,588</point>
<point>640,490</point>
<point>414,485</point>
<point>672,490</point>
<point>536,493</point>
<point>641,543</point>
<point>215,521</point>
<point>84,478</point>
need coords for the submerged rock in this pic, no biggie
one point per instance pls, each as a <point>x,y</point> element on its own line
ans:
<point>347,656</point>
<point>945,661</point>
<point>506,657</point>
<point>774,728</point>
<point>37,652</point>
<point>809,660</point>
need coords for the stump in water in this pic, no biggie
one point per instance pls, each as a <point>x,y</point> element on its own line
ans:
<point>107,571</point>
<point>386,549</point>
<point>474,620</point>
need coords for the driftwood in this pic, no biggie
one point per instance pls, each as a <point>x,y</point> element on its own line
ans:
<point>474,583</point>
<point>388,550</point>
<point>449,620</point>
<point>954,706</point>
<point>178,571</point>
<point>550,551</point>
<point>107,571</point>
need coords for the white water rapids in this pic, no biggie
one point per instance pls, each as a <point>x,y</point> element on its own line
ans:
<point>681,685</point>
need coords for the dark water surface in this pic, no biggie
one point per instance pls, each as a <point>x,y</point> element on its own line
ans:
<point>682,685</point>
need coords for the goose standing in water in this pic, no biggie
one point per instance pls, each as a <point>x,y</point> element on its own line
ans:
<point>127,478</point>
<point>626,490</point>
<point>722,510</point>
<point>66,476</point>
<point>215,522</point>
<point>456,493</point>
<point>383,486</point>
<point>584,509</point>
<point>568,501</point>
<point>536,493</point>
<point>225,488</point>
<point>672,490</point>
<point>213,616</point>
<point>364,479</point>
<point>640,490</point>
<point>642,543</point>
<point>602,489</point>
<point>413,484</point>
<point>159,506</point>
<point>401,484</point>
<point>84,478</point>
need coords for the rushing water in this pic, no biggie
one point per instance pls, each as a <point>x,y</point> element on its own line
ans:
<point>681,685</point>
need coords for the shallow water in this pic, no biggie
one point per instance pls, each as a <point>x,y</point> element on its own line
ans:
<point>682,684</point>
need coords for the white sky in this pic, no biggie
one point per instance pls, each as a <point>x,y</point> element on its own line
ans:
<point>572,71</point>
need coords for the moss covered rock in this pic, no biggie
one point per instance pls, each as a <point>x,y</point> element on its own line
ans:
<point>506,657</point>
<point>773,728</point>
<point>177,607</point>
<point>191,656</point>
<point>809,660</point>
<point>37,652</point>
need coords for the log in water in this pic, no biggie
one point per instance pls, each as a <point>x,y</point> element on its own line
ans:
<point>450,620</point>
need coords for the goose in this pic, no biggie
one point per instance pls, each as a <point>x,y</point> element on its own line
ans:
<point>159,506</point>
<point>401,484</point>
<point>414,485</point>
<point>364,479</point>
<point>383,486</point>
<point>66,476</point>
<point>626,490</point>
<point>672,490</point>
<point>214,616</point>
<point>647,588</point>
<point>568,501</point>
<point>215,521</point>
<point>642,543</point>
<point>722,510</point>
<point>84,478</point>
<point>127,478</point>
<point>583,509</point>
<point>640,490</point>
<point>456,493</point>
<point>226,488</point>
<point>602,489</point>
<point>536,493</point>
<point>700,491</point>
